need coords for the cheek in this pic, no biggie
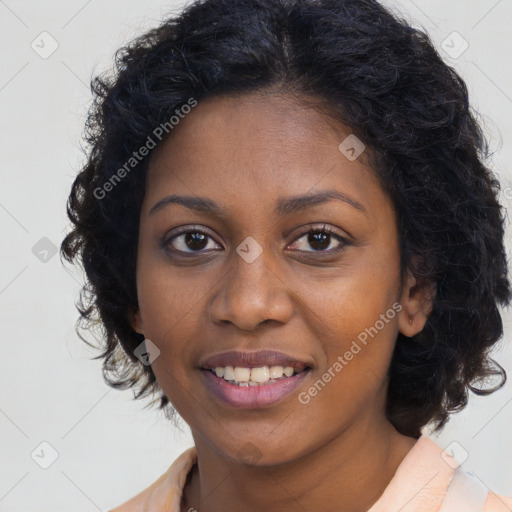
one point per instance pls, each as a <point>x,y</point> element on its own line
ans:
<point>353,299</point>
<point>355,314</point>
<point>357,346</point>
<point>171,312</point>
<point>167,297</point>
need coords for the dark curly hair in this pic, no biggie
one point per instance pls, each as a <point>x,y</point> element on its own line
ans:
<point>368,69</point>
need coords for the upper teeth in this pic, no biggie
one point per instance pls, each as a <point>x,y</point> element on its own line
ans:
<point>253,375</point>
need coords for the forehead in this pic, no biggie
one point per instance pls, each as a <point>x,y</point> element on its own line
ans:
<point>257,148</point>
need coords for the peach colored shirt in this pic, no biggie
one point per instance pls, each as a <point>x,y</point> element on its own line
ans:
<point>427,480</point>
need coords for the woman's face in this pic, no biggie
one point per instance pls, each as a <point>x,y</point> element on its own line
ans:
<point>246,276</point>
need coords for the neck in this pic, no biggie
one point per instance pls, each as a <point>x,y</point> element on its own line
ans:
<point>352,470</point>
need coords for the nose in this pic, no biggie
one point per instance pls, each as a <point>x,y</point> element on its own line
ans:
<point>251,294</point>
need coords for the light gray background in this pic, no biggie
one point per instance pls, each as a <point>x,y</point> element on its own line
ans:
<point>109,447</point>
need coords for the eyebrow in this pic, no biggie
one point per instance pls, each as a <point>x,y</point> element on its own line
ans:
<point>284,206</point>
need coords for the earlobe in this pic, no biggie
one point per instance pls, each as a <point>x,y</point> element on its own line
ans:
<point>135,320</point>
<point>417,302</point>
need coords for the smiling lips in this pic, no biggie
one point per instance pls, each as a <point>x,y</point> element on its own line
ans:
<point>253,379</point>
<point>242,376</point>
<point>253,360</point>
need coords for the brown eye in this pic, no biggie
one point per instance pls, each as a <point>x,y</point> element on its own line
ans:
<point>191,241</point>
<point>320,239</point>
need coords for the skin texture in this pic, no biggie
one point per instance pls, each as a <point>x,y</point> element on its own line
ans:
<point>244,154</point>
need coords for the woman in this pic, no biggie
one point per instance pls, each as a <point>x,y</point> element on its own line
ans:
<point>291,236</point>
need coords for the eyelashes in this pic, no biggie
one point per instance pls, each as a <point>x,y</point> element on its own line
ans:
<point>203,236</point>
<point>197,240</point>
<point>316,234</point>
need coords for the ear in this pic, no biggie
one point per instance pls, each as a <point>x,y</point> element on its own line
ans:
<point>135,320</point>
<point>417,302</point>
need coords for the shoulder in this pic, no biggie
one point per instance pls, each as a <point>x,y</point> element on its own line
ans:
<point>467,492</point>
<point>166,490</point>
<point>430,478</point>
<point>498,503</point>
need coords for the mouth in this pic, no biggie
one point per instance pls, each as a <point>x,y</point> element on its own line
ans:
<point>253,379</point>
<point>257,376</point>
